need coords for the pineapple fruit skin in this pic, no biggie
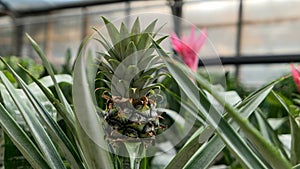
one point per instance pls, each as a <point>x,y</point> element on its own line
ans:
<point>132,119</point>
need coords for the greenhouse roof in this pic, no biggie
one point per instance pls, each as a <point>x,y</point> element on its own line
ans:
<point>19,8</point>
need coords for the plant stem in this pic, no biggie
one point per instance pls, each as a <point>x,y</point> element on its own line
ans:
<point>133,149</point>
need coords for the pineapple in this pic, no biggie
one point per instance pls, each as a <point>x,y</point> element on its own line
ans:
<point>130,70</point>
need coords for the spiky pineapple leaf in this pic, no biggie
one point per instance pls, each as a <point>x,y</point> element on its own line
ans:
<point>140,78</point>
<point>110,50</point>
<point>145,36</point>
<point>296,166</point>
<point>145,60</point>
<point>131,54</point>
<point>103,80</point>
<point>124,37</point>
<point>105,68</point>
<point>154,63</point>
<point>108,75</point>
<point>152,80</point>
<point>114,35</point>
<point>130,71</point>
<point>113,32</point>
<point>148,88</point>
<point>107,65</point>
<point>107,45</point>
<point>158,41</point>
<point>136,28</point>
<point>141,82</point>
<point>124,33</point>
<point>150,28</point>
<point>114,63</point>
<point>158,30</point>
<point>103,39</point>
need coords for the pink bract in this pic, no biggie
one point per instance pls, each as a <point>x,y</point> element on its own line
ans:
<point>188,47</point>
<point>296,76</point>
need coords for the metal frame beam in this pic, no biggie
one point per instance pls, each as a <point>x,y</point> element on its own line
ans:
<point>45,10</point>
<point>250,59</point>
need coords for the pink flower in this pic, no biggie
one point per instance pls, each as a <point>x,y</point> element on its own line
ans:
<point>188,47</point>
<point>296,76</point>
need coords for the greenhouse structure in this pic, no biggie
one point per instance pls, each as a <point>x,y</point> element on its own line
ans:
<point>147,84</point>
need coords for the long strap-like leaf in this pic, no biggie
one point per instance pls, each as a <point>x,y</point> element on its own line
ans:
<point>271,154</point>
<point>37,130</point>
<point>90,131</point>
<point>49,69</point>
<point>225,131</point>
<point>208,152</point>
<point>21,140</point>
<point>53,128</point>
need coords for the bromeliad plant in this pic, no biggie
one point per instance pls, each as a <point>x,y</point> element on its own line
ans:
<point>189,47</point>
<point>118,127</point>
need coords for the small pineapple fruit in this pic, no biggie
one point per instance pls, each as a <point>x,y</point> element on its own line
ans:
<point>130,70</point>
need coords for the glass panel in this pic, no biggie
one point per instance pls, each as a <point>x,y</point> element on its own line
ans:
<point>6,33</point>
<point>219,18</point>
<point>254,76</point>
<point>55,33</point>
<point>271,27</point>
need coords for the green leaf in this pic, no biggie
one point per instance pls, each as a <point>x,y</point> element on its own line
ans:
<point>124,37</point>
<point>88,125</point>
<point>186,152</point>
<point>136,27</point>
<point>269,133</point>
<point>233,141</point>
<point>150,27</point>
<point>106,44</point>
<point>271,154</point>
<point>21,140</point>
<point>114,63</point>
<point>53,128</point>
<point>174,115</point>
<point>295,147</point>
<point>131,54</point>
<point>276,123</point>
<point>49,69</point>
<point>146,58</point>
<point>295,129</point>
<point>112,30</point>
<point>145,39</point>
<point>56,103</point>
<point>296,166</point>
<point>208,152</point>
<point>133,151</point>
<point>103,40</point>
<point>38,132</point>
<point>13,158</point>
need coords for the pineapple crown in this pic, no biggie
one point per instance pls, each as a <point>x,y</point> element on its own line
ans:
<point>129,65</point>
